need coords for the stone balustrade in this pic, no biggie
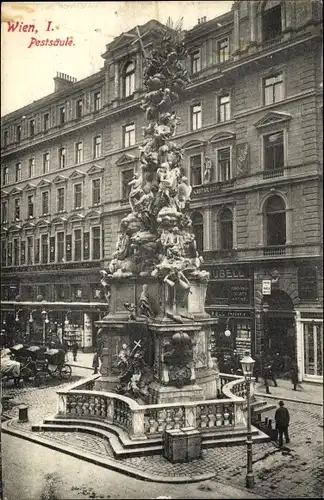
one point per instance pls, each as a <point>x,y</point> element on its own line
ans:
<point>148,421</point>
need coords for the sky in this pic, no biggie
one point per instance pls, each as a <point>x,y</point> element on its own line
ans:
<point>28,70</point>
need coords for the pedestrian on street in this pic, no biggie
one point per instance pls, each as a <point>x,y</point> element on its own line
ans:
<point>282,419</point>
<point>65,347</point>
<point>294,376</point>
<point>75,348</point>
<point>257,368</point>
<point>95,363</point>
<point>268,374</point>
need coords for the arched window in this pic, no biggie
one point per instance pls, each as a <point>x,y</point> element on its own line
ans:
<point>226,229</point>
<point>271,20</point>
<point>275,213</point>
<point>198,229</point>
<point>129,79</point>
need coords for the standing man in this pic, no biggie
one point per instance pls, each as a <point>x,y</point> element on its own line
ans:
<point>75,350</point>
<point>282,419</point>
<point>294,376</point>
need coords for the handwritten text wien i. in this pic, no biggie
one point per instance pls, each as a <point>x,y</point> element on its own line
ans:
<point>21,27</point>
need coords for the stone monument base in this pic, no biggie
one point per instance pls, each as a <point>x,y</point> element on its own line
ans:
<point>161,394</point>
<point>106,384</point>
<point>208,381</point>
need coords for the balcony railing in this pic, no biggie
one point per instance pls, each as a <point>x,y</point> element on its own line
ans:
<point>219,254</point>
<point>273,251</point>
<point>276,172</point>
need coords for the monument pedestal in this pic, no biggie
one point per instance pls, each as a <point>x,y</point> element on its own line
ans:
<point>160,394</point>
<point>176,340</point>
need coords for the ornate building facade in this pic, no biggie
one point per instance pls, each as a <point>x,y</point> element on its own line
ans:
<point>251,129</point>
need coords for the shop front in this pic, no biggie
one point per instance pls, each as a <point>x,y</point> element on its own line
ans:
<point>310,345</point>
<point>230,299</point>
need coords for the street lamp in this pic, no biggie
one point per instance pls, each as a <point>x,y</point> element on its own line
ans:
<point>247,367</point>
<point>265,309</point>
<point>45,322</point>
<point>227,332</point>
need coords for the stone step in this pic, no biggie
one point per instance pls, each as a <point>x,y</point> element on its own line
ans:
<point>118,450</point>
<point>122,446</point>
<point>259,437</point>
<point>120,433</point>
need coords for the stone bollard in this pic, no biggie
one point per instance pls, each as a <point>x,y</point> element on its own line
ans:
<point>23,413</point>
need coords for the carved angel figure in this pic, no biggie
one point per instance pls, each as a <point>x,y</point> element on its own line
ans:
<point>184,192</point>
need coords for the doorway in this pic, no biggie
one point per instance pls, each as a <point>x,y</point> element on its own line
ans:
<point>279,339</point>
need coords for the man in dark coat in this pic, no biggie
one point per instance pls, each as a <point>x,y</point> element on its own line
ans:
<point>268,374</point>
<point>282,419</point>
<point>294,375</point>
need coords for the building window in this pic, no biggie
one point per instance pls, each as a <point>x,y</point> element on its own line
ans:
<point>196,170</point>
<point>62,157</point>
<point>275,211</point>
<point>16,252</point>
<point>77,195</point>
<point>224,164</point>
<point>195,62</point>
<point>198,230</point>
<point>45,204</point>
<point>3,253</point>
<point>44,240</point>
<point>31,167</point>
<point>46,161</point>
<point>96,196</point>
<point>46,122</point>
<point>18,133</point>
<point>77,244</point>
<point>30,206</point>
<point>313,348</point>
<point>4,212</point>
<point>78,108</point>
<point>273,151</point>
<point>60,246</point>
<point>271,23</point>
<point>96,243</point>
<point>5,175</point>
<point>223,50</point>
<point>127,176</point>
<point>60,199</point>
<point>224,108</point>
<point>5,138</point>
<point>129,79</point>
<point>17,208</point>
<point>196,117</point>
<point>79,152</point>
<point>18,172</point>
<point>273,89</point>
<point>129,135</point>
<point>97,147</point>
<point>226,229</point>
<point>62,115</point>
<point>30,250</point>
<point>97,100</point>
<point>31,128</point>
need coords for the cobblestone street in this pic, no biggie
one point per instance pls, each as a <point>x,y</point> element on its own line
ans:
<point>296,471</point>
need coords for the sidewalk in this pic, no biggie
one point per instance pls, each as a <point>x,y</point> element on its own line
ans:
<point>310,393</point>
<point>307,392</point>
<point>84,360</point>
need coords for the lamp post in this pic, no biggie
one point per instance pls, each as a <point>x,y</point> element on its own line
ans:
<point>247,367</point>
<point>18,329</point>
<point>31,321</point>
<point>265,309</point>
<point>45,322</point>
